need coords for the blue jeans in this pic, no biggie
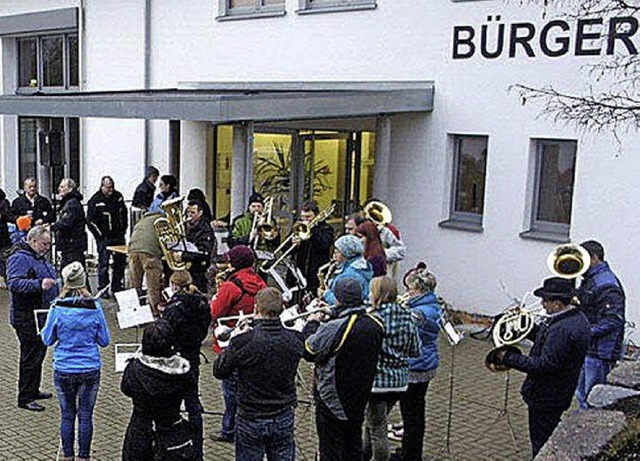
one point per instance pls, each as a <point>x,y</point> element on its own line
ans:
<point>271,436</point>
<point>594,371</point>
<point>230,405</point>
<point>77,393</point>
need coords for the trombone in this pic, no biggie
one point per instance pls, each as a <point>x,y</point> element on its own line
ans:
<point>263,225</point>
<point>301,230</point>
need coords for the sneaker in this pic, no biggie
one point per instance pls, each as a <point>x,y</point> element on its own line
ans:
<point>220,437</point>
<point>31,406</point>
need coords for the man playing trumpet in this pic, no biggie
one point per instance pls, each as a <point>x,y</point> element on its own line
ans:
<point>555,360</point>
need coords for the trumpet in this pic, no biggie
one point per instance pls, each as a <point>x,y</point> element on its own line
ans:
<point>295,320</point>
<point>224,332</point>
<point>301,230</point>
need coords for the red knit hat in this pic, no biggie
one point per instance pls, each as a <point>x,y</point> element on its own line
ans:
<point>240,257</point>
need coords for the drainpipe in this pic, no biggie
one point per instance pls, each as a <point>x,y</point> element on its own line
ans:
<point>147,77</point>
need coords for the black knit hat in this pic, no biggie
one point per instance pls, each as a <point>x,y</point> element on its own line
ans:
<point>348,291</point>
<point>256,198</point>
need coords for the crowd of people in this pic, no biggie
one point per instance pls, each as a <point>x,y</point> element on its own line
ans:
<point>371,348</point>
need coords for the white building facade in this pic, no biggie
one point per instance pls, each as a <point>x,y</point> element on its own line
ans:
<point>401,100</point>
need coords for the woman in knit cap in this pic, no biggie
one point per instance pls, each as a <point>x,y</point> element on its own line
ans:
<point>235,295</point>
<point>348,253</point>
<point>78,325</point>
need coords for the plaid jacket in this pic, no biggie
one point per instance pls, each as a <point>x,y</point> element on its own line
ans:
<point>401,341</point>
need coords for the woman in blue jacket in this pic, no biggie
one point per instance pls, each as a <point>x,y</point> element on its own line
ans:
<point>78,325</point>
<point>427,313</point>
<point>349,254</point>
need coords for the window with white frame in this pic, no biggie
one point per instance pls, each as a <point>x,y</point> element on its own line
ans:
<point>468,182</point>
<point>555,163</point>
<point>48,62</point>
<point>324,6</point>
<point>247,9</point>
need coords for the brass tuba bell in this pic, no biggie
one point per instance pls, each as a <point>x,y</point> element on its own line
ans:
<point>378,212</point>
<point>568,261</point>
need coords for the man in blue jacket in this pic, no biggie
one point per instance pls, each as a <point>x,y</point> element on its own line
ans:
<point>32,282</point>
<point>554,363</point>
<point>602,300</point>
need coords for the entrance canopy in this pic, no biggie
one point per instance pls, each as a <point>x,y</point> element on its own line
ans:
<point>232,102</point>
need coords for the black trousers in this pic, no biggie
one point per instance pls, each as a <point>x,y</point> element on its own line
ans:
<point>32,353</point>
<point>413,409</point>
<point>338,440</point>
<point>199,280</point>
<point>119,263</point>
<point>542,423</point>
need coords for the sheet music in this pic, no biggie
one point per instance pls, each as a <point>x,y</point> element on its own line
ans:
<point>127,299</point>
<point>124,352</point>
<point>140,315</point>
<point>187,247</point>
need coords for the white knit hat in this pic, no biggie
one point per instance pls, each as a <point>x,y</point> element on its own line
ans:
<point>74,276</point>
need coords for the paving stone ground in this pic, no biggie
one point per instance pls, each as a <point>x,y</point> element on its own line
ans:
<point>478,428</point>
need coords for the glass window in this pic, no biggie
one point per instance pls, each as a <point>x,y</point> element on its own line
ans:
<point>335,5</point>
<point>52,63</point>
<point>239,9</point>
<point>73,60</point>
<point>469,169</point>
<point>27,62</point>
<point>27,146</point>
<point>553,194</point>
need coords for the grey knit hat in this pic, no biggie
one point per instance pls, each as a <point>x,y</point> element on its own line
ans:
<point>74,276</point>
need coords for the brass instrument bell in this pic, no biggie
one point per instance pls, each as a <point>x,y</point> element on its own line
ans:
<point>378,212</point>
<point>568,261</point>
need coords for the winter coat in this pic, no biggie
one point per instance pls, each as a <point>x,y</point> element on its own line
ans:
<point>357,268</point>
<point>190,317</point>
<point>345,351</point>
<point>235,295</point>
<point>25,272</point>
<point>144,238</point>
<point>266,359</point>
<point>71,234</point>
<point>315,252</point>
<point>401,341</point>
<point>143,196</point>
<point>156,386</point>
<point>202,236</point>
<point>6,217</point>
<point>602,299</point>
<point>554,362</point>
<point>241,232</point>
<point>79,326</point>
<point>427,313</point>
<point>107,217</point>
<point>40,207</point>
<point>394,248</point>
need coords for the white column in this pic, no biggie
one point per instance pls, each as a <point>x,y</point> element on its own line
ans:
<point>241,168</point>
<point>193,156</point>
<point>383,157</point>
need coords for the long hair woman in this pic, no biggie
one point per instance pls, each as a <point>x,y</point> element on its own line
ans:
<point>373,250</point>
<point>427,313</point>
<point>77,324</point>
<point>189,316</point>
<point>392,373</point>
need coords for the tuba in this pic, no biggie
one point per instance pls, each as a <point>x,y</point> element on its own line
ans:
<point>568,261</point>
<point>171,232</point>
<point>378,212</point>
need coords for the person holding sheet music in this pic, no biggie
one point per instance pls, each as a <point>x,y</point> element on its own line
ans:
<point>188,314</point>
<point>77,324</point>
<point>32,282</point>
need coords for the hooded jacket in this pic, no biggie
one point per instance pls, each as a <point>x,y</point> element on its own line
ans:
<point>70,226</point>
<point>427,313</point>
<point>156,386</point>
<point>357,268</point>
<point>602,299</point>
<point>189,317</point>
<point>79,326</point>
<point>25,271</point>
<point>235,295</point>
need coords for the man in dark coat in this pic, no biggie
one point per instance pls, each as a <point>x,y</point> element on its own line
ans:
<point>200,234</point>
<point>554,363</point>
<point>6,217</point>
<point>602,299</point>
<point>107,221</point>
<point>345,351</point>
<point>32,282</point>
<point>145,192</point>
<point>314,252</point>
<point>266,359</point>
<point>71,235</point>
<point>32,204</point>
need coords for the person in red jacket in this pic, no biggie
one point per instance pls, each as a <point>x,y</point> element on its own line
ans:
<point>235,295</point>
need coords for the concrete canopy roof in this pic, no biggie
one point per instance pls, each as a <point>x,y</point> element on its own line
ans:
<point>232,102</point>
